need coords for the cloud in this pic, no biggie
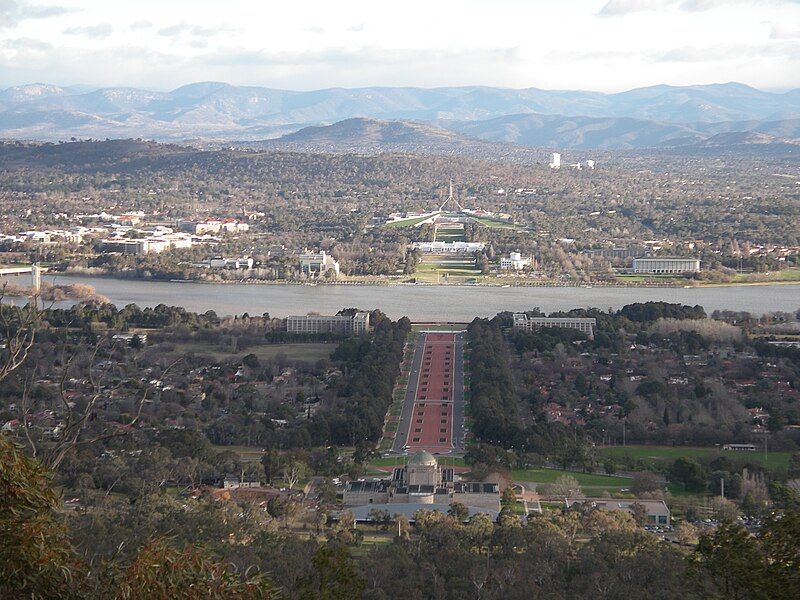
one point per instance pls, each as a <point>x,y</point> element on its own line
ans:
<point>730,52</point>
<point>781,32</point>
<point>317,30</point>
<point>357,28</point>
<point>184,28</point>
<point>99,31</point>
<point>27,44</point>
<point>618,8</point>
<point>14,11</point>
<point>138,25</point>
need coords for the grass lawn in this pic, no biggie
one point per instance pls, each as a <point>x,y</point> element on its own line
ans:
<point>435,267</point>
<point>246,453</point>
<point>590,482</point>
<point>775,460</point>
<point>309,352</point>
<point>409,222</point>
<point>791,274</point>
<point>486,222</point>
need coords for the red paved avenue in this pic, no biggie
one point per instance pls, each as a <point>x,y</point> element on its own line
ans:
<point>431,425</point>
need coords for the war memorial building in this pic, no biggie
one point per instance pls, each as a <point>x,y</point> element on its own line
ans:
<point>420,484</point>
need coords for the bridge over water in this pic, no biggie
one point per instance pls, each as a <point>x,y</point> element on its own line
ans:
<point>34,270</point>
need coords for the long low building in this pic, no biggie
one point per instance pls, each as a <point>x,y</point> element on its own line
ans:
<point>659,266</point>
<point>656,511</point>
<point>356,324</point>
<point>526,323</point>
<point>448,247</point>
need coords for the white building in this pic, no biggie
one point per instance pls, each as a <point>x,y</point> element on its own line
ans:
<point>448,247</point>
<point>515,262</point>
<point>318,263</point>
<point>555,163</point>
<point>213,226</point>
<point>357,324</point>
<point>526,323</point>
<point>666,265</point>
<point>220,262</point>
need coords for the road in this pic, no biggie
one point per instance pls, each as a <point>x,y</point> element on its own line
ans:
<point>432,417</point>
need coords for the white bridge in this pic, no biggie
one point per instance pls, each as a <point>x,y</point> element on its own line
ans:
<point>34,270</point>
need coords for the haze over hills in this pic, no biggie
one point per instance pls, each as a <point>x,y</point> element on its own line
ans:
<point>651,116</point>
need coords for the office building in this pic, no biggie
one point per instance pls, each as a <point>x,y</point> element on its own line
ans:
<point>356,324</point>
<point>318,263</point>
<point>666,265</point>
<point>526,323</point>
<point>515,261</point>
<point>555,163</point>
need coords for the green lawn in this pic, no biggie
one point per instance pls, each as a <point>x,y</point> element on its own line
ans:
<point>246,453</point>
<point>409,222</point>
<point>588,481</point>
<point>486,222</point>
<point>775,460</point>
<point>791,274</point>
<point>310,352</point>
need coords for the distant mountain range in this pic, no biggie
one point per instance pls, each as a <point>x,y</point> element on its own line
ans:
<point>645,117</point>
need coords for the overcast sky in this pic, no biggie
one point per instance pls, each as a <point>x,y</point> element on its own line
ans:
<point>604,45</point>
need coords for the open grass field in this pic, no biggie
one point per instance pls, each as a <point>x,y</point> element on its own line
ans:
<point>409,222</point>
<point>486,222</point>
<point>790,275</point>
<point>434,268</point>
<point>309,352</point>
<point>774,460</point>
<point>246,453</point>
<point>590,482</point>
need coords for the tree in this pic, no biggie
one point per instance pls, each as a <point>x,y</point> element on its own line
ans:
<point>732,560</point>
<point>725,511</point>
<point>645,483</point>
<point>293,472</point>
<point>794,465</point>
<point>688,473</point>
<point>639,513</point>
<point>686,533</point>
<point>565,486</point>
<point>160,571</point>
<point>458,511</point>
<point>333,576</point>
<point>36,559</point>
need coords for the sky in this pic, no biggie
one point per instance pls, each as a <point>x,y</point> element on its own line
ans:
<point>599,45</point>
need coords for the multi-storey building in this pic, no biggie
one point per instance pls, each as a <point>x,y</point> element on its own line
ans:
<point>318,263</point>
<point>356,324</point>
<point>666,265</point>
<point>526,323</point>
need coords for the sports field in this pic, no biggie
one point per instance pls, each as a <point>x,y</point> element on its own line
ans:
<point>654,454</point>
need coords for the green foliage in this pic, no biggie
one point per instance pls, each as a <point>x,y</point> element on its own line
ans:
<point>161,572</point>
<point>36,559</point>
<point>688,473</point>
<point>333,577</point>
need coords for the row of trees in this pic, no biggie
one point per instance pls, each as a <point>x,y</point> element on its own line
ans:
<point>220,549</point>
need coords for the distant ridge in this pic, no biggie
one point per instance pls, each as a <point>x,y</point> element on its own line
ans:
<point>217,111</point>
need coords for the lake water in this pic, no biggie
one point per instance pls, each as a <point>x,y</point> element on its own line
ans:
<point>452,303</point>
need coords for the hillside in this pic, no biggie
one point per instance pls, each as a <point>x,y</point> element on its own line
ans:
<point>218,111</point>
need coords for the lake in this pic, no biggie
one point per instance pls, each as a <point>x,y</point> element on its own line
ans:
<point>418,302</point>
